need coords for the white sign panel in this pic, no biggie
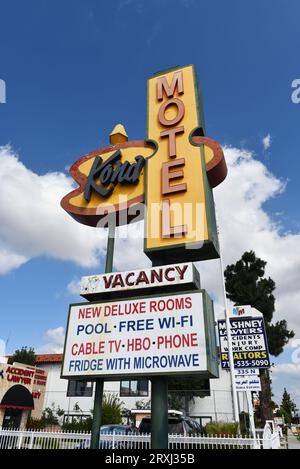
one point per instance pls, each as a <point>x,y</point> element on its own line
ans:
<point>247,383</point>
<point>246,310</point>
<point>146,336</point>
<point>170,275</point>
<point>249,342</point>
<point>278,420</point>
<point>246,371</point>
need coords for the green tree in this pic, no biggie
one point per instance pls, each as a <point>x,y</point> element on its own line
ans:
<point>176,401</point>
<point>24,355</point>
<point>222,428</point>
<point>51,415</point>
<point>143,405</point>
<point>111,410</point>
<point>183,391</point>
<point>287,407</point>
<point>246,285</point>
<point>80,425</point>
<point>35,424</point>
<point>244,423</point>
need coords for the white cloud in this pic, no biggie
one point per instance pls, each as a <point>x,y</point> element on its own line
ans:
<point>290,369</point>
<point>54,341</point>
<point>129,247</point>
<point>34,224</point>
<point>10,260</point>
<point>286,375</point>
<point>266,141</point>
<point>245,225</point>
<point>73,287</point>
<point>294,343</point>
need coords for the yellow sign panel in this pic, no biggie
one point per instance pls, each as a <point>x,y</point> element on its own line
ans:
<point>180,211</point>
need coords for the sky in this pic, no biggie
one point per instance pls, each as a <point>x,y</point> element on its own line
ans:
<point>73,69</point>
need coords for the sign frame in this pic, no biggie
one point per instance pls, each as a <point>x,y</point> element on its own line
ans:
<point>255,387</point>
<point>264,334</point>
<point>212,367</point>
<point>126,292</point>
<point>187,250</point>
<point>127,211</point>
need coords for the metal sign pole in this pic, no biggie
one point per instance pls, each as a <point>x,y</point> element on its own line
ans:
<point>229,341</point>
<point>251,412</point>
<point>159,410</point>
<point>97,412</point>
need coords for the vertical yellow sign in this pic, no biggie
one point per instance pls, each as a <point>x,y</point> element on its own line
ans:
<point>180,218</point>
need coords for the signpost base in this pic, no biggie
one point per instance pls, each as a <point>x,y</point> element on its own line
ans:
<point>159,413</point>
<point>97,414</point>
<point>251,413</point>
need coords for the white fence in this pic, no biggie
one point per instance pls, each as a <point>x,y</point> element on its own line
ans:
<point>32,439</point>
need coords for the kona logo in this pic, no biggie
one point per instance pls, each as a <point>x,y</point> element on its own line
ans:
<point>110,175</point>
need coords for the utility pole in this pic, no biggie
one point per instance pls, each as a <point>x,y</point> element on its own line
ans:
<point>159,409</point>
<point>229,341</point>
<point>116,136</point>
<point>97,412</point>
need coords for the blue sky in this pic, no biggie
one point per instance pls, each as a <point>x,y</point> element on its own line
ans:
<point>73,69</point>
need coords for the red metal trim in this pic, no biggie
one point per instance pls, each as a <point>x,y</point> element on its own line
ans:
<point>49,358</point>
<point>216,168</point>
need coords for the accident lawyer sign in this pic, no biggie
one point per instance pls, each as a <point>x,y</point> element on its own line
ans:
<point>142,336</point>
<point>249,342</point>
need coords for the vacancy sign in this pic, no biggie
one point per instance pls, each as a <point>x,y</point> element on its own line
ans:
<point>185,276</point>
<point>137,337</point>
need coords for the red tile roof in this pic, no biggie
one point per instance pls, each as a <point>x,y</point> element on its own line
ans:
<point>49,358</point>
